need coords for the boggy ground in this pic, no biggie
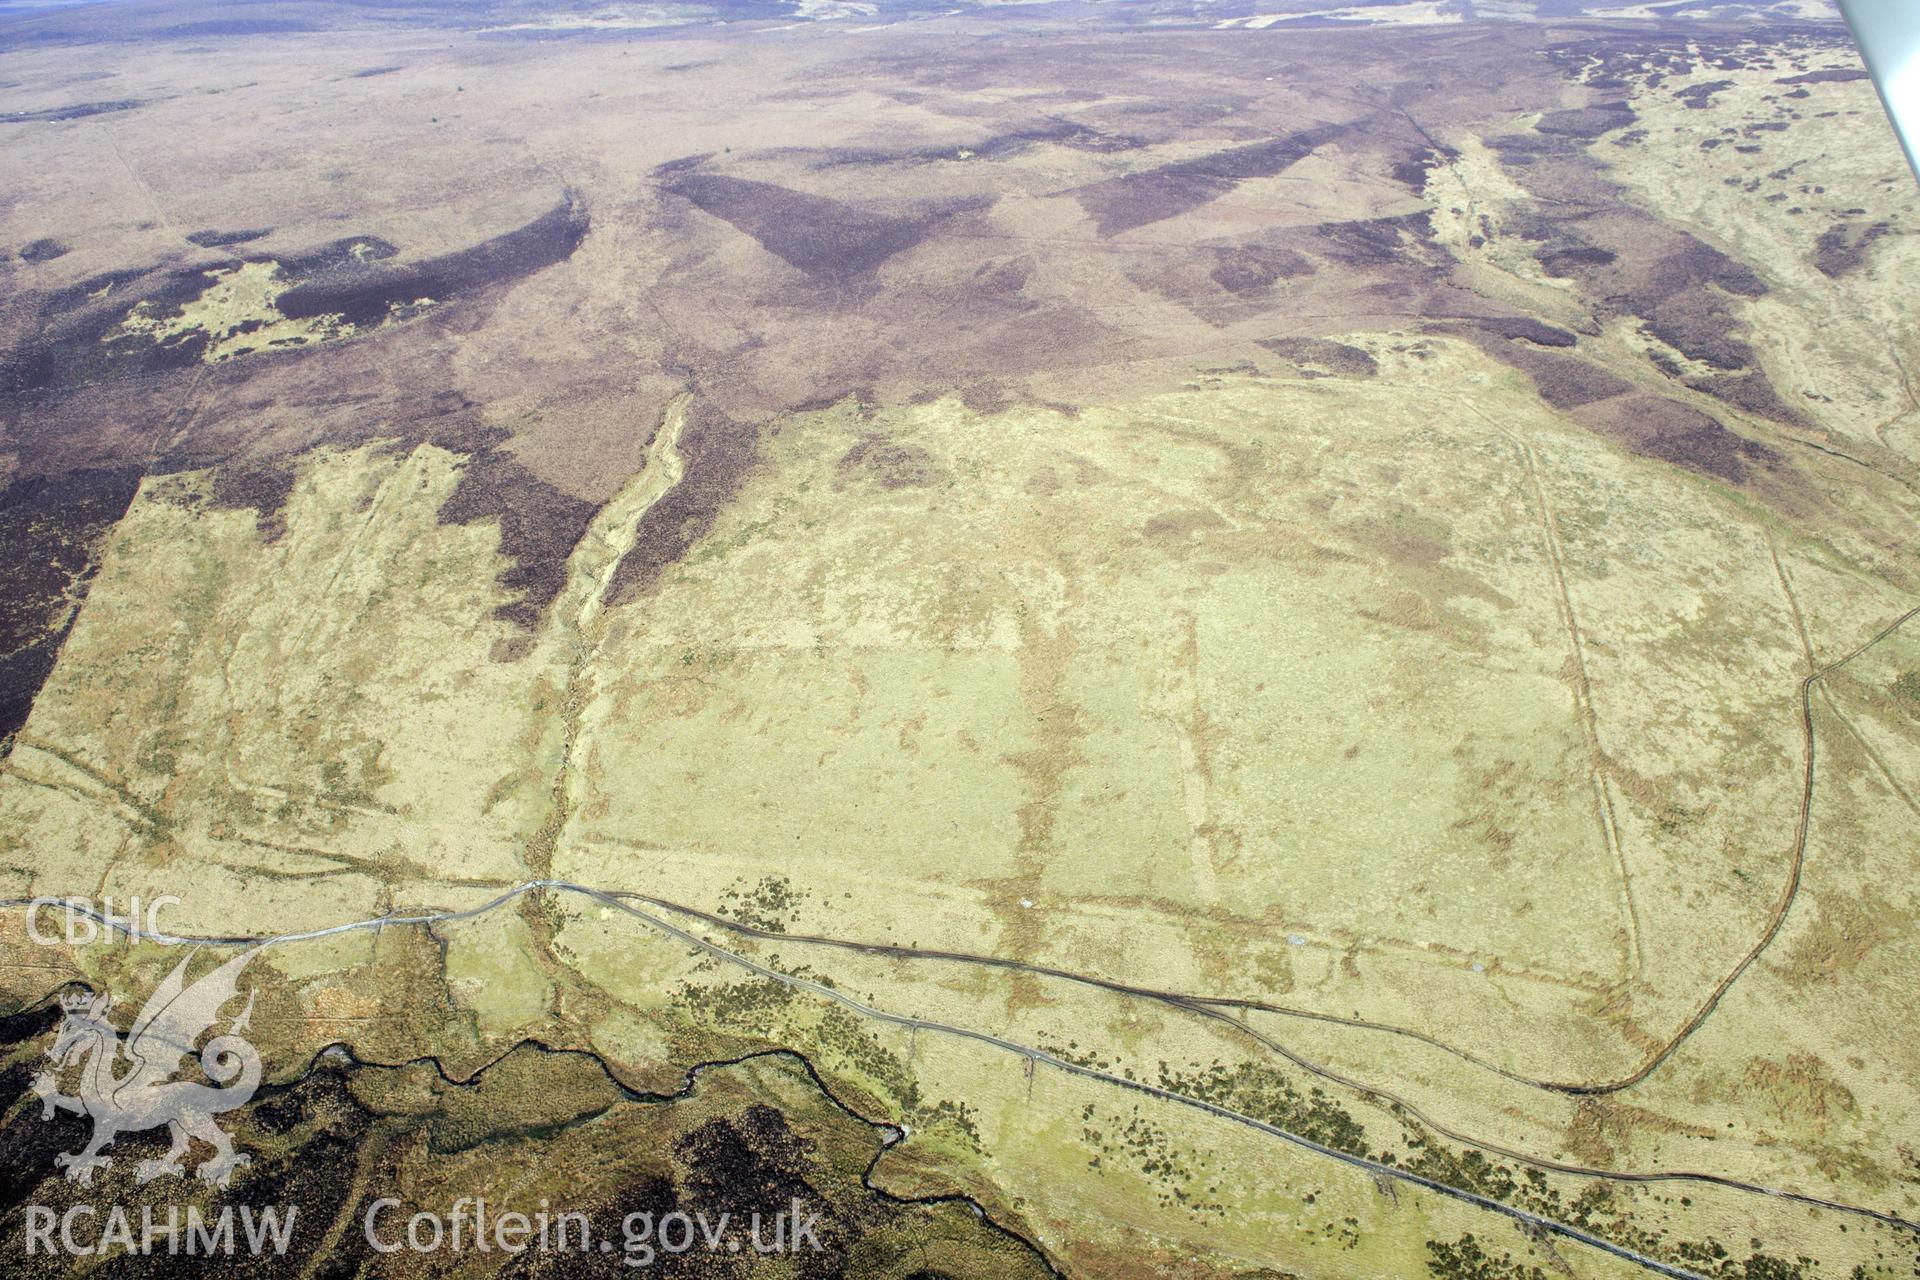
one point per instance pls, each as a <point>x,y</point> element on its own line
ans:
<point>1385,526</point>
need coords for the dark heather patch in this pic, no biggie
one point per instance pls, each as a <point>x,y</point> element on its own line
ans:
<point>1697,325</point>
<point>69,347</point>
<point>1699,97</point>
<point>343,254</point>
<point>1830,75</point>
<point>892,464</point>
<point>1677,288</point>
<point>260,484</point>
<point>983,398</point>
<point>1750,390</point>
<point>755,1157</point>
<point>1586,122</point>
<point>1249,270</point>
<point>1567,262</point>
<point>1526,148</point>
<point>1066,133</point>
<point>1843,247</point>
<point>1414,170</point>
<point>718,453</point>
<point>1003,279</point>
<point>1379,242</point>
<point>78,111</point>
<point>1673,432</point>
<point>78,296</point>
<point>824,238</point>
<point>45,249</point>
<point>237,27</point>
<point>1707,265</point>
<point>50,527</point>
<point>1136,199</point>
<point>539,527</point>
<point>1323,357</point>
<point>1565,382</point>
<point>362,292</point>
<point>220,239</point>
<point>1526,329</point>
<point>684,164</point>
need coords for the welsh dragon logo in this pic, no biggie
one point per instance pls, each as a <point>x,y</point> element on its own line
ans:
<point>128,1085</point>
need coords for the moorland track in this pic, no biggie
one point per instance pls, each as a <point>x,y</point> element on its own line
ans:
<point>1031,1054</point>
<point>1790,891</point>
<point>1213,1009</point>
<point>623,901</point>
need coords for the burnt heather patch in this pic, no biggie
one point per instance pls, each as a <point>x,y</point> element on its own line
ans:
<point>1565,382</point>
<point>74,342</point>
<point>45,249</point>
<point>362,290</point>
<point>1321,357</point>
<point>1673,432</point>
<point>220,239</point>
<point>1254,268</point>
<point>1843,246</point>
<point>51,527</point>
<point>1151,195</point>
<point>539,527</point>
<point>718,452</point>
<point>825,238</point>
<point>78,111</point>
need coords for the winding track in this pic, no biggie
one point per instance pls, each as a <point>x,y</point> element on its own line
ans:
<point>1379,1170</point>
<point>623,901</point>
<point>1211,1008</point>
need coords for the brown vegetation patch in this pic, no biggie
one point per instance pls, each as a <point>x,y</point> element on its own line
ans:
<point>1800,1089</point>
<point>1842,935</point>
<point>891,464</point>
<point>1825,76</point>
<point>1182,526</point>
<point>1586,122</point>
<point>1601,1128</point>
<point>1565,382</point>
<point>353,287</point>
<point>1251,268</point>
<point>1906,692</point>
<point>220,239</point>
<point>1843,246</point>
<point>1321,357</point>
<point>50,527</point>
<point>827,239</point>
<point>718,452</point>
<point>539,527</point>
<point>1152,195</point>
<point>1656,427</point>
